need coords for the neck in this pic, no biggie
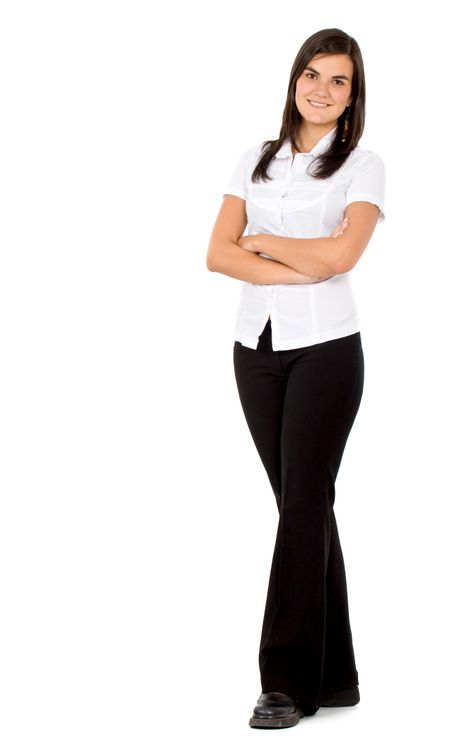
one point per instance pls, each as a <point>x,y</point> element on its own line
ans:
<point>309,134</point>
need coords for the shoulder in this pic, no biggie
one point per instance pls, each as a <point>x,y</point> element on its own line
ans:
<point>240,179</point>
<point>251,154</point>
<point>360,156</point>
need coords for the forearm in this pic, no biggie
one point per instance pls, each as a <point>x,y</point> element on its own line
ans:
<point>238,263</point>
<point>313,256</point>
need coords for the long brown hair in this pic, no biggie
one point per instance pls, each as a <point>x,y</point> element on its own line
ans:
<point>327,41</point>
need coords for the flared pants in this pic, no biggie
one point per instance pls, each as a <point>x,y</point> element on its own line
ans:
<point>300,406</point>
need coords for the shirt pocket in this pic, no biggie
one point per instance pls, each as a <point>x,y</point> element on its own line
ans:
<point>263,207</point>
<point>264,196</point>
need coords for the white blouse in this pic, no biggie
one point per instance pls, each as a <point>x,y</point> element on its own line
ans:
<point>296,205</point>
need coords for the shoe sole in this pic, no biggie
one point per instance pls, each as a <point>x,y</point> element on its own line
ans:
<point>274,722</point>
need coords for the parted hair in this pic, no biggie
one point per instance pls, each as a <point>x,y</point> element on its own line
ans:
<point>327,41</point>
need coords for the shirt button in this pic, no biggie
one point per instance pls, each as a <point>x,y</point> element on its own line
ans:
<point>283,195</point>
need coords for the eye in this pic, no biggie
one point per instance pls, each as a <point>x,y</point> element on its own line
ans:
<point>313,75</point>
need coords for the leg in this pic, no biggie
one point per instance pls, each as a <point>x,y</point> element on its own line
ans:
<point>339,670</point>
<point>261,385</point>
<point>307,581</point>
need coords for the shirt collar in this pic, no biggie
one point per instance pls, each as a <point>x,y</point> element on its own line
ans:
<point>321,146</point>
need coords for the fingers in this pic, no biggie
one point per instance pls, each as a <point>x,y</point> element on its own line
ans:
<point>342,226</point>
<point>339,230</point>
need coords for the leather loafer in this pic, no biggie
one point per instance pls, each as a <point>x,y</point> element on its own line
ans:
<point>275,710</point>
<point>338,698</point>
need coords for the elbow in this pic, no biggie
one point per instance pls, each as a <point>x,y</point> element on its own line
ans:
<point>219,257</point>
<point>342,265</point>
<point>350,258</point>
<point>210,263</point>
<point>343,261</point>
<point>214,264</point>
<point>211,260</point>
<point>338,265</point>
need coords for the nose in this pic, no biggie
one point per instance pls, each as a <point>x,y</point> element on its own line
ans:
<point>321,90</point>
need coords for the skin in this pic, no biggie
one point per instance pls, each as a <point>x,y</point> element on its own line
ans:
<point>324,87</point>
<point>298,260</point>
<point>327,80</point>
<point>319,82</point>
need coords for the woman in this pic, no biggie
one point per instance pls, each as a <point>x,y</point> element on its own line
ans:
<point>312,199</point>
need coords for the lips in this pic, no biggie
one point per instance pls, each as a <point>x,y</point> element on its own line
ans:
<point>318,104</point>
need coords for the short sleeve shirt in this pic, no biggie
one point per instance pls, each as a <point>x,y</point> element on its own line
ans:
<point>294,204</point>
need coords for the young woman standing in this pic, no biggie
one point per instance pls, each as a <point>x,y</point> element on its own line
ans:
<point>311,199</point>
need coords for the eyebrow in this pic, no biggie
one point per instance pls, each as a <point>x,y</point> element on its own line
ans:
<point>344,77</point>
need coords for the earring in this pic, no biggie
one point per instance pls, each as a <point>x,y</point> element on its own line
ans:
<point>344,133</point>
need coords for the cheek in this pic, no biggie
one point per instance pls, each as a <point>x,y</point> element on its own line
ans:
<point>303,88</point>
<point>342,95</point>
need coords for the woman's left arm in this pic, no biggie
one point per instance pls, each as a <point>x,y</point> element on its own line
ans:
<point>319,256</point>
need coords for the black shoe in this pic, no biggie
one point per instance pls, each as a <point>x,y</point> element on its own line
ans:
<point>337,698</point>
<point>275,710</point>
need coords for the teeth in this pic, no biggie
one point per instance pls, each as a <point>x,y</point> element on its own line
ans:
<point>321,105</point>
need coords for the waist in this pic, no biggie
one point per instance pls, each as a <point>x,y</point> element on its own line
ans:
<point>301,314</point>
<point>337,286</point>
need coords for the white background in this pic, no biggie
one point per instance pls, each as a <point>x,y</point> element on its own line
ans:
<point>137,523</point>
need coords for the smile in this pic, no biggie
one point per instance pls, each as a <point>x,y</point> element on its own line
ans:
<point>318,105</point>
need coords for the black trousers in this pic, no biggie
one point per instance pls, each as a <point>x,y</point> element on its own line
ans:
<point>300,406</point>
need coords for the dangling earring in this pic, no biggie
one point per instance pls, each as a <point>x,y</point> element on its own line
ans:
<point>344,133</point>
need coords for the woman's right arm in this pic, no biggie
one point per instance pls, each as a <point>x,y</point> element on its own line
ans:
<point>227,257</point>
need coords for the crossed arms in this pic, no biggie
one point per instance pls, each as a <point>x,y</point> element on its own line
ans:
<point>294,260</point>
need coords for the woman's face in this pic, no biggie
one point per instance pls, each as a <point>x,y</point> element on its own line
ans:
<point>327,80</point>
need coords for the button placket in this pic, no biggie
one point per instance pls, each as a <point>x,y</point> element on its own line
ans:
<point>284,193</point>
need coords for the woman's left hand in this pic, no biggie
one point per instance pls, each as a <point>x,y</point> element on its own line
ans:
<point>248,243</point>
<point>339,230</point>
